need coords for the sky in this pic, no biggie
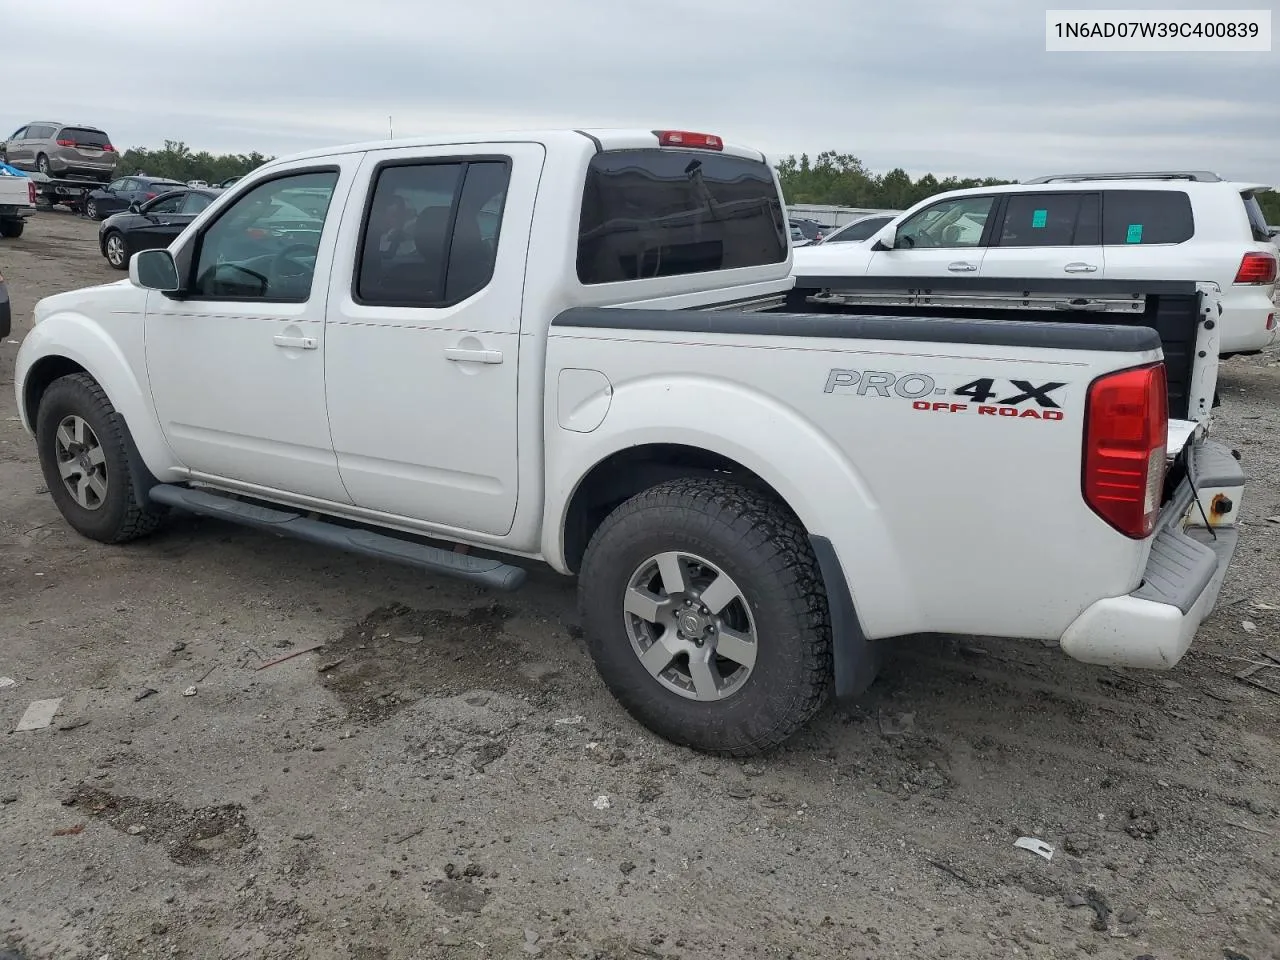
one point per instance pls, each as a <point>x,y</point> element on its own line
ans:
<point>960,87</point>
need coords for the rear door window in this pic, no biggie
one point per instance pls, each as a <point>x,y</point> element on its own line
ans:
<point>862,230</point>
<point>1132,217</point>
<point>1257,219</point>
<point>662,213</point>
<point>1049,220</point>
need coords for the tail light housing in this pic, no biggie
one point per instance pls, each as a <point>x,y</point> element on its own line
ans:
<point>151,196</point>
<point>66,143</point>
<point>108,148</point>
<point>684,138</point>
<point>1125,442</point>
<point>1257,268</point>
<point>31,192</point>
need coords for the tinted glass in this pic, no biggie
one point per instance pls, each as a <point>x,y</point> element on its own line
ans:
<point>658,213</point>
<point>39,132</point>
<point>195,202</point>
<point>94,139</point>
<point>1146,216</point>
<point>431,233</point>
<point>862,230</point>
<point>1040,220</point>
<point>169,204</point>
<point>957,222</point>
<point>1257,221</point>
<point>264,246</point>
<point>475,231</point>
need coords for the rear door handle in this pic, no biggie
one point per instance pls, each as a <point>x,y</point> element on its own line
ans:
<point>463,355</point>
<point>961,266</point>
<point>297,343</point>
<point>1080,268</point>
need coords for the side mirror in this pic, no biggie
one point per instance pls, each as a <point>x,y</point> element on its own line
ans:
<point>134,206</point>
<point>155,270</point>
<point>884,240</point>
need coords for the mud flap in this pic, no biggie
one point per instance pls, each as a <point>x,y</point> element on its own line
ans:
<point>855,659</point>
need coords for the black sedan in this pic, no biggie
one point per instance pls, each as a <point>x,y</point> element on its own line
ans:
<point>152,225</point>
<point>121,194</point>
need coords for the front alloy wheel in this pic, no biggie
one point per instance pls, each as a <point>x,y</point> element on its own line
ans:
<point>117,253</point>
<point>82,463</point>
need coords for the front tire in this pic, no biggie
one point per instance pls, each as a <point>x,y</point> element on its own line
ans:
<point>117,251</point>
<point>42,165</point>
<point>84,456</point>
<point>705,614</point>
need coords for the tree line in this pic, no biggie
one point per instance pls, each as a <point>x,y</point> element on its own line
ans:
<point>176,161</point>
<point>829,178</point>
<point>841,179</point>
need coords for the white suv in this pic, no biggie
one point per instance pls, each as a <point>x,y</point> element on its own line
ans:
<point>1127,226</point>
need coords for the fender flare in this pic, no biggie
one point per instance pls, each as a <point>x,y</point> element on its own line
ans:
<point>804,466</point>
<point>75,337</point>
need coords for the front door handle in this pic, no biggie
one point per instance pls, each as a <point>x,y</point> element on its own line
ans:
<point>461,354</point>
<point>961,266</point>
<point>297,343</point>
<point>1080,268</point>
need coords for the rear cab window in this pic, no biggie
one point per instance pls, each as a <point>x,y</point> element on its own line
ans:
<point>658,213</point>
<point>1131,217</point>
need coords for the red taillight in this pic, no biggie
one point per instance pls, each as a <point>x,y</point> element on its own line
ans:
<point>1271,321</point>
<point>108,148</point>
<point>1258,268</point>
<point>66,143</point>
<point>31,192</point>
<point>1126,435</point>
<point>151,196</point>
<point>683,138</point>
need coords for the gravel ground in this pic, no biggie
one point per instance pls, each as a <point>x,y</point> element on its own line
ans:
<point>446,777</point>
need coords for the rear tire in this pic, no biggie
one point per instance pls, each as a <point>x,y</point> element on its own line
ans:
<point>12,228</point>
<point>91,209</point>
<point>727,541</point>
<point>42,165</point>
<point>84,455</point>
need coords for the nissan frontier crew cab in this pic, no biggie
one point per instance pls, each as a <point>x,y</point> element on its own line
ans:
<point>478,353</point>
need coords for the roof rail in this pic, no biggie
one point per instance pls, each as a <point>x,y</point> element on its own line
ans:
<point>1198,176</point>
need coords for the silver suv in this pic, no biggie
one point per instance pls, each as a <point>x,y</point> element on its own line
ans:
<point>60,150</point>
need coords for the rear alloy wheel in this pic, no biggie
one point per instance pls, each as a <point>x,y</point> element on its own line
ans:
<point>91,209</point>
<point>83,447</point>
<point>42,164</point>
<point>117,251</point>
<point>706,616</point>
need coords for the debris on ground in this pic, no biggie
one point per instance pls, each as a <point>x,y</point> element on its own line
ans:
<point>565,721</point>
<point>70,831</point>
<point>1249,626</point>
<point>1036,846</point>
<point>601,802</point>
<point>1095,902</point>
<point>38,715</point>
<point>7,682</point>
<point>146,692</point>
<point>289,656</point>
<point>331,665</point>
<point>190,691</point>
<point>1247,674</point>
<point>898,726</point>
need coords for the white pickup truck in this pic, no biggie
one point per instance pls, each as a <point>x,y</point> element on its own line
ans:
<point>17,201</point>
<point>477,353</point>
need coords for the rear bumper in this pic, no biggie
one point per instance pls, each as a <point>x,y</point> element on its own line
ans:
<point>1152,627</point>
<point>1244,319</point>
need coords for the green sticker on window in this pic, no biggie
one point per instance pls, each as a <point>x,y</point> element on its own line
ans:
<point>1135,233</point>
<point>1039,218</point>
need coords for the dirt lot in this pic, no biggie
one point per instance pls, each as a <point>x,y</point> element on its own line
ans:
<point>446,778</point>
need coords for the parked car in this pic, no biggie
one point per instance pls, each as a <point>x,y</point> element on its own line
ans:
<point>61,150</point>
<point>123,193</point>
<point>228,182</point>
<point>1181,225</point>
<point>6,309</point>
<point>798,239</point>
<point>156,223</point>
<point>17,201</point>
<point>812,229</point>
<point>864,228</point>
<point>754,503</point>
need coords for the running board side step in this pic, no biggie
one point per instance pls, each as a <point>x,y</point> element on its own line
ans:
<point>288,523</point>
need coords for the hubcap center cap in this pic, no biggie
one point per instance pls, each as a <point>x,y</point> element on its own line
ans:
<point>692,624</point>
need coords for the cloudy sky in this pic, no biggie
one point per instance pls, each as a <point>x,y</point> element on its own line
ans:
<point>951,86</point>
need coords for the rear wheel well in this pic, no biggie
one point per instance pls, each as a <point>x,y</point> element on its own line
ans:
<point>626,473</point>
<point>44,373</point>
